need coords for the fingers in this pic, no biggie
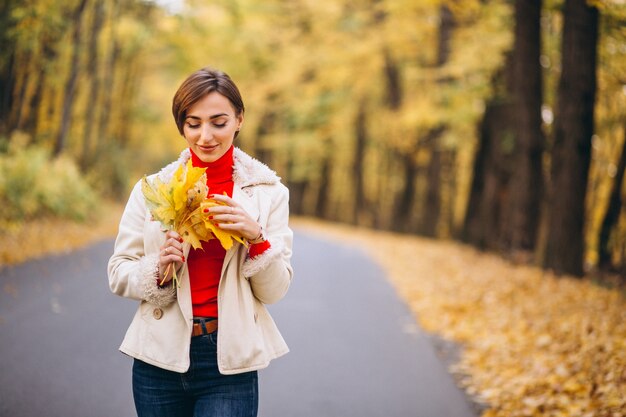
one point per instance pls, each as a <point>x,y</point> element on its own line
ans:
<point>172,234</point>
<point>249,230</point>
<point>235,219</point>
<point>232,217</point>
<point>226,213</point>
<point>171,252</point>
<point>224,199</point>
<point>173,245</point>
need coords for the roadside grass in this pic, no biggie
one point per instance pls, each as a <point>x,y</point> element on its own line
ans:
<point>39,237</point>
<point>532,344</point>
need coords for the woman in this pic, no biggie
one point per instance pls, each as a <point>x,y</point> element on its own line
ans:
<point>197,346</point>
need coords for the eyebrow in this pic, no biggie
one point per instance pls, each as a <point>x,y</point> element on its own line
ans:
<point>215,116</point>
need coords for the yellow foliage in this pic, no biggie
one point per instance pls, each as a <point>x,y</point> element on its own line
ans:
<point>180,205</point>
<point>35,185</point>
<point>533,344</point>
<point>174,203</point>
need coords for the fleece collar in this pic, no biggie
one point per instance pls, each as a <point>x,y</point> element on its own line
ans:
<point>247,171</point>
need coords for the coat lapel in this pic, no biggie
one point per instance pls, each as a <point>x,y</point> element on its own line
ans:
<point>250,205</point>
<point>248,202</point>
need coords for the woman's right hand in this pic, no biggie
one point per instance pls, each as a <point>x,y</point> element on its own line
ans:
<point>171,253</point>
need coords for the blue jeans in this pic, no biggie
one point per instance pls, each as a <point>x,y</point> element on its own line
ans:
<point>200,392</point>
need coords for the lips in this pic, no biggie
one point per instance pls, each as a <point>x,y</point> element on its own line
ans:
<point>208,148</point>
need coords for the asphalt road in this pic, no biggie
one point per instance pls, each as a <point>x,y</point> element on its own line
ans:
<point>355,349</point>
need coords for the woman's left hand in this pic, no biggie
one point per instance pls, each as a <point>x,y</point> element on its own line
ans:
<point>233,217</point>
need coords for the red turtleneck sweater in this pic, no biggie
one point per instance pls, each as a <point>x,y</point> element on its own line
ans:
<point>205,265</point>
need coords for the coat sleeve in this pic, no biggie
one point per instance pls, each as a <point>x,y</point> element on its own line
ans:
<point>132,272</point>
<point>270,273</point>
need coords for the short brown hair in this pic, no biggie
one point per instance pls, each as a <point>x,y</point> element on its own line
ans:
<point>198,85</point>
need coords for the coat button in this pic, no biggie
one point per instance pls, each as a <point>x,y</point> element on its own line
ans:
<point>157,313</point>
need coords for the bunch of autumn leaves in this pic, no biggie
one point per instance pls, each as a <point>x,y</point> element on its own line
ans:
<point>181,205</point>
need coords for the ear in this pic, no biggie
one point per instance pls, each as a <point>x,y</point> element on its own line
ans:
<point>239,121</point>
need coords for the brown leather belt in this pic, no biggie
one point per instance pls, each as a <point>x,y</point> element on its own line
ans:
<point>211,326</point>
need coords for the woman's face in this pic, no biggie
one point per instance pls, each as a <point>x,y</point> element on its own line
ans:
<point>210,126</point>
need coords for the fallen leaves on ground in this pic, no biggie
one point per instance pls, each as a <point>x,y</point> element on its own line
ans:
<point>41,237</point>
<point>533,344</point>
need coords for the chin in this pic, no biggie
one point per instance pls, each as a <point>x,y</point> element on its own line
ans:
<point>209,156</point>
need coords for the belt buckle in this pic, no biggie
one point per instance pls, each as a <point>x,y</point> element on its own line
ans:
<point>203,321</point>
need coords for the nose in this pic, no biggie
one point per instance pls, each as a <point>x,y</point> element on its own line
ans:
<point>205,132</point>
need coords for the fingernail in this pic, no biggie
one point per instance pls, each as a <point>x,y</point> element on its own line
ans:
<point>211,195</point>
<point>206,210</point>
<point>210,217</point>
<point>180,239</point>
<point>183,259</point>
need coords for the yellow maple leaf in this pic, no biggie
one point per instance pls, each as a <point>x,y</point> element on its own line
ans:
<point>189,234</point>
<point>185,179</point>
<point>158,201</point>
<point>178,193</point>
<point>193,175</point>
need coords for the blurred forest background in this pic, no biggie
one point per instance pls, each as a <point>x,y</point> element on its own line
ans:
<point>499,123</point>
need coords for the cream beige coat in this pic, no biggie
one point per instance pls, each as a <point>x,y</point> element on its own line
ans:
<point>160,332</point>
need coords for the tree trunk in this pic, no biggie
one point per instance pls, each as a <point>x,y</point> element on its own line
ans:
<point>266,126</point>
<point>49,49</point>
<point>296,184</point>
<point>34,73</point>
<point>7,85</point>
<point>22,79</point>
<point>473,229</point>
<point>7,61</point>
<point>402,217</point>
<point>296,196</point>
<point>393,102</point>
<point>10,67</point>
<point>108,80</point>
<point>72,79</point>
<point>523,211</point>
<point>392,75</point>
<point>446,28</point>
<point>321,205</point>
<point>357,165</point>
<point>574,125</point>
<point>432,204</point>
<point>381,211</point>
<point>451,223</point>
<point>94,87</point>
<point>606,245</point>
<point>483,223</point>
<point>29,123</point>
<point>404,206</point>
<point>130,83</point>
